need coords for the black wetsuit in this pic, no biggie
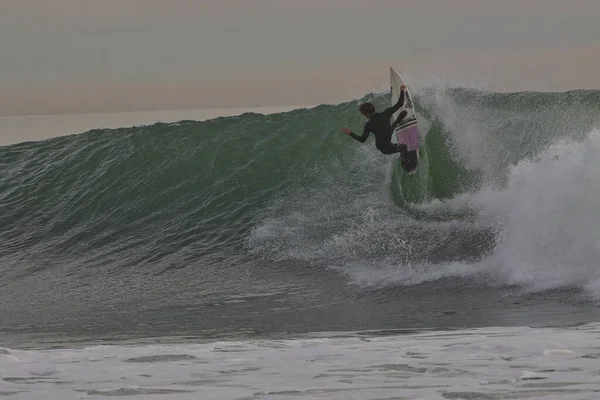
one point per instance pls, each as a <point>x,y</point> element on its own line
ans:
<point>379,124</point>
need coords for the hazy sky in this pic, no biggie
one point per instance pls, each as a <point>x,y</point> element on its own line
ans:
<point>111,55</point>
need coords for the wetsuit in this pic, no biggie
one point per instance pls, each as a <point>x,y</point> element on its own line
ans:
<point>379,124</point>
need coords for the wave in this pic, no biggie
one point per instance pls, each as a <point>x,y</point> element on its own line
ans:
<point>510,199</point>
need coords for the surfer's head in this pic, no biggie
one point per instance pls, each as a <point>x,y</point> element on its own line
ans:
<point>367,109</point>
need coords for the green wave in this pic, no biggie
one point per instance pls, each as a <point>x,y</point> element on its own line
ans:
<point>168,194</point>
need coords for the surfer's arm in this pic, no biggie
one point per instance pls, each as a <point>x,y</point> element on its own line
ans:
<point>396,107</point>
<point>362,138</point>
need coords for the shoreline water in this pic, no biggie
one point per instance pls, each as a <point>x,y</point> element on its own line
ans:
<point>485,363</point>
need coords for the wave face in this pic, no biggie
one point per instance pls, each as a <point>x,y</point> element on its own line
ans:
<point>279,223</point>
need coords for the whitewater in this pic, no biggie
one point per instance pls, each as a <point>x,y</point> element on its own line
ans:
<point>269,256</point>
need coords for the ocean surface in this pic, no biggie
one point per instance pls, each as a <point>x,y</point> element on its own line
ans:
<point>269,256</point>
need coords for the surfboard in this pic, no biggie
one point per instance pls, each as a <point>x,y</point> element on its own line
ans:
<point>407,131</point>
<point>414,185</point>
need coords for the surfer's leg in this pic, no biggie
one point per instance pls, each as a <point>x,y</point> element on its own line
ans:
<point>410,162</point>
<point>399,119</point>
<point>393,148</point>
<point>408,159</point>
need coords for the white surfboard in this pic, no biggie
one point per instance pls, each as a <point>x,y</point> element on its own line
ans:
<point>407,130</point>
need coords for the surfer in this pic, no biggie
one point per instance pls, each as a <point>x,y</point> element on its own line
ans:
<point>379,124</point>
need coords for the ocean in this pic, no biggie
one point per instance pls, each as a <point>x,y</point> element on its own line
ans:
<point>269,256</point>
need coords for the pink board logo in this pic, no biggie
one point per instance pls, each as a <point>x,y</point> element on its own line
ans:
<point>409,136</point>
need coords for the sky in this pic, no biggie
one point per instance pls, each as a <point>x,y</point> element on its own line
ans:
<point>75,56</point>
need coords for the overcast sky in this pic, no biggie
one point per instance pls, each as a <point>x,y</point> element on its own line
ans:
<point>112,55</point>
